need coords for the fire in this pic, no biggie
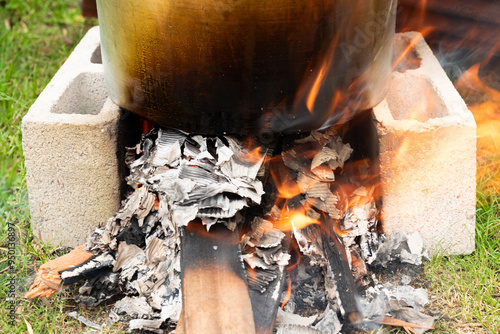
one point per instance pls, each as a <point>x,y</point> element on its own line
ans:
<point>287,188</point>
<point>418,20</point>
<point>484,102</point>
<point>252,152</point>
<point>288,292</point>
<point>294,220</point>
<point>411,45</point>
<point>313,94</point>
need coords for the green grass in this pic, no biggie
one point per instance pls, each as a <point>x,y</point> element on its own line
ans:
<point>36,37</point>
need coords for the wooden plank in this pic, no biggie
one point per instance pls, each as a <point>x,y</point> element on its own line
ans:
<point>215,297</point>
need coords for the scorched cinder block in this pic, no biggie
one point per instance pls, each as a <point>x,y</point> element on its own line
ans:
<point>427,144</point>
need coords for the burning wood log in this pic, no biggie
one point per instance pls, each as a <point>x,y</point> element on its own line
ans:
<point>337,260</point>
<point>179,229</point>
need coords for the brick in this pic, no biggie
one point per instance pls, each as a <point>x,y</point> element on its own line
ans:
<point>73,136</point>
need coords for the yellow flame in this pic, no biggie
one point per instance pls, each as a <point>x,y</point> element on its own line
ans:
<point>484,103</point>
<point>294,221</point>
<point>313,94</point>
<point>288,292</point>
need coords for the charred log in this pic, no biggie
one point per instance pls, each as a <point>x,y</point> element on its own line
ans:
<point>337,260</point>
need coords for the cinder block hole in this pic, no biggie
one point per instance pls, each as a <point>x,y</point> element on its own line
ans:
<point>96,57</point>
<point>413,97</point>
<point>405,57</point>
<point>85,95</point>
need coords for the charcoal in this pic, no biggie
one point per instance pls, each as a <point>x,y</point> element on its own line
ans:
<point>132,234</point>
<point>266,301</point>
<point>90,268</point>
<point>347,290</point>
<point>99,289</point>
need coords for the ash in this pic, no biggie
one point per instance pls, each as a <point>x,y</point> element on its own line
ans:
<point>176,178</point>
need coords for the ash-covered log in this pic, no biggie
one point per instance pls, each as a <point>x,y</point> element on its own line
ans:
<point>191,222</point>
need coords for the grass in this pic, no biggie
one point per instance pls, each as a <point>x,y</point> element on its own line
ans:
<point>467,287</point>
<point>35,38</point>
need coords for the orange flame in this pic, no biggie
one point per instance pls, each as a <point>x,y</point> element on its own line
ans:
<point>254,155</point>
<point>484,102</point>
<point>318,82</point>
<point>417,19</point>
<point>288,292</point>
<point>287,188</point>
<point>411,46</point>
<point>252,151</point>
<point>295,220</point>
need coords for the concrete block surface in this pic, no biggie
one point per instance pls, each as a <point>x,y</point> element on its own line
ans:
<point>426,138</point>
<point>427,144</point>
<point>71,144</point>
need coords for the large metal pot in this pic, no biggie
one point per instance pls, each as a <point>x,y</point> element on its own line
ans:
<point>246,66</point>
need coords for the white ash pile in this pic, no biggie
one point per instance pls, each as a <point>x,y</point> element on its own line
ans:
<point>330,209</point>
<point>176,178</point>
<point>318,212</point>
<point>335,232</point>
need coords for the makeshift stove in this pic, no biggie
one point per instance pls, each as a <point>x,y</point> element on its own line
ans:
<point>308,220</point>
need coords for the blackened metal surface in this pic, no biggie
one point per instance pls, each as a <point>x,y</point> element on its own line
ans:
<point>246,67</point>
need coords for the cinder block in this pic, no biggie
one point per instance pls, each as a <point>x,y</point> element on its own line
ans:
<point>71,149</point>
<point>427,146</point>
<point>73,143</point>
